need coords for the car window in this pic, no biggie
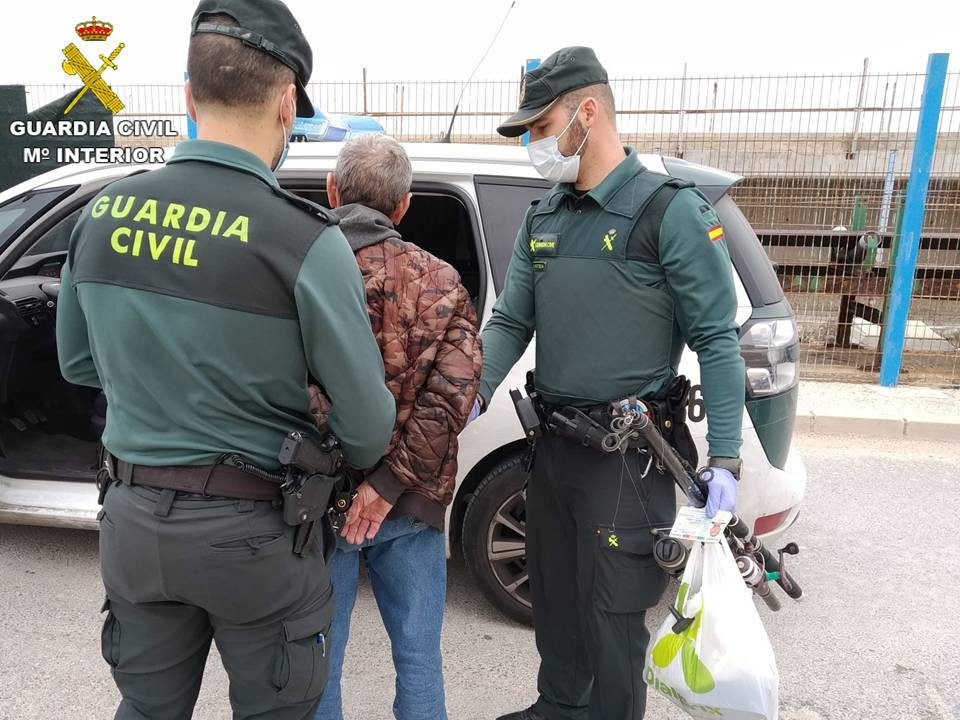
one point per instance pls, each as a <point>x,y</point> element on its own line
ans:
<point>15,214</point>
<point>57,238</point>
<point>748,256</point>
<point>8,216</point>
<point>503,202</point>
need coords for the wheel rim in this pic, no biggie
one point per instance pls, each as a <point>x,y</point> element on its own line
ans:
<point>507,548</point>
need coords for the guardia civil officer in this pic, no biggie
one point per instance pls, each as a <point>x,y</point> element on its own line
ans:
<point>615,268</point>
<point>199,297</point>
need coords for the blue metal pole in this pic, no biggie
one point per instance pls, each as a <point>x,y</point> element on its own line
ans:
<point>532,64</point>
<point>901,288</point>
<point>191,125</point>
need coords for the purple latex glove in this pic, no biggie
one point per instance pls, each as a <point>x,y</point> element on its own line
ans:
<point>721,492</point>
<point>475,412</point>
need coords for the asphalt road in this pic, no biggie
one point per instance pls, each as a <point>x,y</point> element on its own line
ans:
<point>877,634</point>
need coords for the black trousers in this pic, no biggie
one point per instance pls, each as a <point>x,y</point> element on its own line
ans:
<point>592,576</point>
<point>180,572</point>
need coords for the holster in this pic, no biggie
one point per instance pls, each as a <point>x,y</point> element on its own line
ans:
<point>574,424</point>
<point>305,506</point>
<point>314,485</point>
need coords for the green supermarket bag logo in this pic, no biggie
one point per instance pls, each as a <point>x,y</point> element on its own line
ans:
<point>696,675</point>
<point>672,694</point>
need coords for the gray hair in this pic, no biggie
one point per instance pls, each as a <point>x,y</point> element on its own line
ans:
<point>373,170</point>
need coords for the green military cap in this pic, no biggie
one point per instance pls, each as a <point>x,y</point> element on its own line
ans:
<point>268,26</point>
<point>567,69</point>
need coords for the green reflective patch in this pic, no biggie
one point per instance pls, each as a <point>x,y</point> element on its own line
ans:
<point>544,244</point>
<point>609,238</point>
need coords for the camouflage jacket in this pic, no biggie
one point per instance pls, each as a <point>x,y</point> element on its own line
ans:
<point>427,329</point>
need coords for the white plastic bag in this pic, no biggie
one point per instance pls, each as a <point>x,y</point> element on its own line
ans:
<point>722,665</point>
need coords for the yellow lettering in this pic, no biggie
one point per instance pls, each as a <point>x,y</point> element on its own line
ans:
<point>195,224</point>
<point>126,210</point>
<point>137,239</point>
<point>100,206</point>
<point>188,258</point>
<point>147,212</point>
<point>156,250</point>
<point>176,251</point>
<point>221,216</point>
<point>239,228</point>
<point>115,240</point>
<point>174,213</point>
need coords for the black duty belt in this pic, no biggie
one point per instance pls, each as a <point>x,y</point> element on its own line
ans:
<point>207,480</point>
<point>587,426</point>
<point>593,426</point>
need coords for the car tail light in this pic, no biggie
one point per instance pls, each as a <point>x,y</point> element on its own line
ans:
<point>769,523</point>
<point>770,350</point>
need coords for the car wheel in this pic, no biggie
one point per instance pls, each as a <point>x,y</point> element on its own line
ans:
<point>494,538</point>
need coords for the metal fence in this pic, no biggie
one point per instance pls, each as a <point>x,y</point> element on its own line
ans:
<point>825,159</point>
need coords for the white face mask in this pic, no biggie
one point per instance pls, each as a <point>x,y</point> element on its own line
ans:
<point>286,142</point>
<point>550,162</point>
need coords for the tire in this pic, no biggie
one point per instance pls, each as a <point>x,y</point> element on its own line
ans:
<point>494,538</point>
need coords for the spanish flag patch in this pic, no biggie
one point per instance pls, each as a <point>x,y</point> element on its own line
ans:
<point>715,233</point>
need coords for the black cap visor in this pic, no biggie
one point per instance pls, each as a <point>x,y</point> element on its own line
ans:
<point>516,124</point>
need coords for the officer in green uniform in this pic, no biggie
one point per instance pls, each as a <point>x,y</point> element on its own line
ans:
<point>199,297</point>
<point>615,268</point>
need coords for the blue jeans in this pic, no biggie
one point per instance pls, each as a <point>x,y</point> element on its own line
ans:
<point>407,566</point>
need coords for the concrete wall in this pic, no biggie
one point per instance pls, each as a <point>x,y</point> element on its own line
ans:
<point>812,181</point>
<point>815,154</point>
<point>817,204</point>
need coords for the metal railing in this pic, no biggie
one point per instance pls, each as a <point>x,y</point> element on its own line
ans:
<point>825,159</point>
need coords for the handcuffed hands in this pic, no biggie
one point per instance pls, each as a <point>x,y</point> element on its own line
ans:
<point>365,516</point>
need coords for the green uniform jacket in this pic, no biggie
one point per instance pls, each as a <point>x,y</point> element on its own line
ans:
<point>199,297</point>
<point>612,317</point>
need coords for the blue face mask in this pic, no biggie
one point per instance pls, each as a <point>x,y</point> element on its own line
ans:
<point>286,142</point>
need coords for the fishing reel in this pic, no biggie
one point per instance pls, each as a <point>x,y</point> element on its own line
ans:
<point>756,575</point>
<point>755,563</point>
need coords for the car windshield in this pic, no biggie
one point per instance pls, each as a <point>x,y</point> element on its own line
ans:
<point>17,213</point>
<point>8,216</point>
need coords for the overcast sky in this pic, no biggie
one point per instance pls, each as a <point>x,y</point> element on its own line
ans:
<point>444,39</point>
